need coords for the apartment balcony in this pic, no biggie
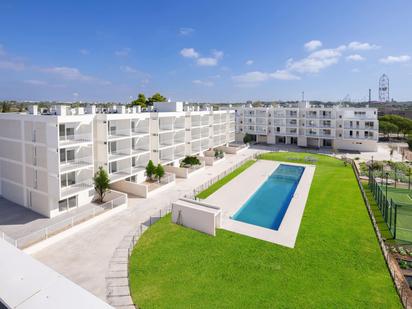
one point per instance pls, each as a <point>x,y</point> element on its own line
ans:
<point>311,116</point>
<point>119,174</point>
<point>140,132</point>
<point>138,169</point>
<point>76,188</point>
<point>75,138</point>
<point>76,163</point>
<point>139,150</point>
<point>292,133</point>
<point>329,116</point>
<point>292,125</point>
<point>322,125</point>
<point>118,133</point>
<point>179,140</point>
<point>311,133</point>
<point>119,154</point>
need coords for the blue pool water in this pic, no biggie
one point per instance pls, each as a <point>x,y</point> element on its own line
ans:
<point>268,205</point>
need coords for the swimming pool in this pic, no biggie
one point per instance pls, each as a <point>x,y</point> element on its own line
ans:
<point>268,205</point>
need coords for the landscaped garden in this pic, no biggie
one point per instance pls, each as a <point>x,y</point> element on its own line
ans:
<point>336,262</point>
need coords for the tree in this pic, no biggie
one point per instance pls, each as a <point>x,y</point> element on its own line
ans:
<point>150,169</point>
<point>101,183</point>
<point>387,128</point>
<point>157,97</point>
<point>404,124</point>
<point>140,101</point>
<point>159,171</point>
<point>5,107</point>
<point>247,138</point>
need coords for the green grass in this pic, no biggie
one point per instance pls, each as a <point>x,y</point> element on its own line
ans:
<point>217,185</point>
<point>336,262</point>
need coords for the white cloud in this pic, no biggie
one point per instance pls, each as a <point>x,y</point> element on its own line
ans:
<point>67,73</point>
<point>395,59</point>
<point>202,61</point>
<point>312,45</point>
<point>127,69</point>
<point>316,61</point>
<point>355,57</point>
<point>362,46</point>
<point>72,74</point>
<point>249,62</point>
<point>255,77</point>
<point>355,70</point>
<point>75,94</point>
<point>185,31</point>
<point>207,61</point>
<point>206,83</point>
<point>211,61</point>
<point>10,64</point>
<point>36,82</point>
<point>124,52</point>
<point>84,51</point>
<point>189,53</point>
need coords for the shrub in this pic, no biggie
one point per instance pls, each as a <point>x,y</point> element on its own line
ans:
<point>247,138</point>
<point>159,172</point>
<point>150,169</point>
<point>190,160</point>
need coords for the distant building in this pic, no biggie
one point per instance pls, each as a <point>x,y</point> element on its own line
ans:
<point>346,128</point>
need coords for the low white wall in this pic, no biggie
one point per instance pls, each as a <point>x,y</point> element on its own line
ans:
<point>180,172</point>
<point>228,149</point>
<point>209,153</point>
<point>196,216</point>
<point>131,187</point>
<point>357,145</point>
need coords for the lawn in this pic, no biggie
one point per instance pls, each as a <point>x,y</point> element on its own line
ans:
<point>336,262</point>
<point>217,185</point>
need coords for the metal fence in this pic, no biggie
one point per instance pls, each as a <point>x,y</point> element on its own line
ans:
<point>397,215</point>
<point>53,229</point>
<point>399,280</point>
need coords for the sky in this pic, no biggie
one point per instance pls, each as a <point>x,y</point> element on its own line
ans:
<point>204,51</point>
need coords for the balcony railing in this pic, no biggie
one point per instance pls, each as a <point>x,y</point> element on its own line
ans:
<point>119,153</point>
<point>76,138</point>
<point>119,133</point>
<point>75,164</point>
<point>140,131</point>
<point>75,188</point>
<point>118,174</point>
<point>139,150</point>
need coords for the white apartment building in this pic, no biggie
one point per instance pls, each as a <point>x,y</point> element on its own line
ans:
<point>345,128</point>
<point>47,160</point>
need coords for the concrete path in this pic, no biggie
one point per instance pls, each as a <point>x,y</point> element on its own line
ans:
<point>84,257</point>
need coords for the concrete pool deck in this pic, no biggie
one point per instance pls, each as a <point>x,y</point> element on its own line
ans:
<point>234,194</point>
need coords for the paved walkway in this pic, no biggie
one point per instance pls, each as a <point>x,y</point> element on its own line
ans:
<point>84,257</point>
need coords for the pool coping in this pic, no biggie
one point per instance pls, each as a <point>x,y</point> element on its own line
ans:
<point>288,230</point>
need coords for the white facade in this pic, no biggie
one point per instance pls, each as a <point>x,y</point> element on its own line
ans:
<point>47,161</point>
<point>345,128</point>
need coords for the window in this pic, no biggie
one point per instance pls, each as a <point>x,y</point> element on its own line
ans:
<point>350,133</point>
<point>66,155</point>
<point>68,203</point>
<point>68,179</point>
<point>113,167</point>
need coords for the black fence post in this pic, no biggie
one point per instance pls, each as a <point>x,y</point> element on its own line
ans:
<point>394,221</point>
